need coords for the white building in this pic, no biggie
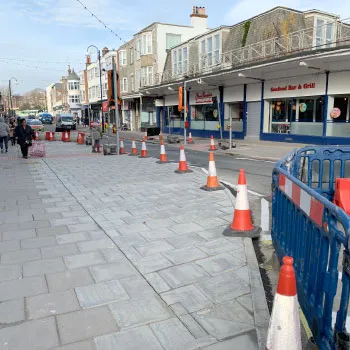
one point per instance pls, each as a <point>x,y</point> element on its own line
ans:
<point>141,64</point>
<point>73,88</point>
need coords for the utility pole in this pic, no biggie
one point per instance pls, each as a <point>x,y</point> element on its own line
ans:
<point>185,111</point>
<point>99,67</point>
<point>116,109</point>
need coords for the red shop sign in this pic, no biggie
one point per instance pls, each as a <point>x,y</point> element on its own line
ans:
<point>105,106</point>
<point>293,87</point>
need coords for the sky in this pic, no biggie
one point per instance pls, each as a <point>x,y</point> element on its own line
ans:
<point>39,38</point>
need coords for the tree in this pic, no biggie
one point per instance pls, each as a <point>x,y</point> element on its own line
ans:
<point>25,106</point>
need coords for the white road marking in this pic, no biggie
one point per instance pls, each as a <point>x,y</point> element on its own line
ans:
<point>256,160</point>
<point>265,215</point>
<point>249,191</point>
<point>205,171</point>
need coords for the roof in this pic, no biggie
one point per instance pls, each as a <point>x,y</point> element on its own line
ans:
<point>73,76</point>
<point>58,86</point>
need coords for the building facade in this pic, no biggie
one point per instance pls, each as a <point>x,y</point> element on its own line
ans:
<point>279,76</point>
<point>141,64</point>
<point>73,92</point>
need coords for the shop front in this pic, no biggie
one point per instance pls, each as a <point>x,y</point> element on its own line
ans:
<point>204,113</point>
<point>234,110</point>
<point>148,112</point>
<point>173,118</point>
<point>295,109</point>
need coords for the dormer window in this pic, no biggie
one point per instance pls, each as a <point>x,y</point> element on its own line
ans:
<point>210,51</point>
<point>324,32</point>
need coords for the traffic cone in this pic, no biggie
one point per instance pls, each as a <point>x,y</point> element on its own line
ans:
<point>162,158</point>
<point>51,137</point>
<point>121,148</point>
<point>133,148</point>
<point>212,180</point>
<point>183,168</point>
<point>242,224</point>
<point>146,136</point>
<point>79,138</point>
<point>144,153</point>
<point>212,144</point>
<point>190,140</point>
<point>36,136</point>
<point>284,327</point>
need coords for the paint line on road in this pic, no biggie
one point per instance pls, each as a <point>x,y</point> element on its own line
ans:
<point>205,171</point>
<point>265,215</point>
<point>256,160</point>
<point>249,191</point>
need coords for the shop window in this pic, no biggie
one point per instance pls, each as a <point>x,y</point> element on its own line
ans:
<point>343,104</point>
<point>234,111</point>
<point>207,112</point>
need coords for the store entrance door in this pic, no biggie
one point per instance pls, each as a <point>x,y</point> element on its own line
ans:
<point>253,119</point>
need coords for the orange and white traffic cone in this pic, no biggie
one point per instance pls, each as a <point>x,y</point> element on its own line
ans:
<point>190,140</point>
<point>242,224</point>
<point>121,148</point>
<point>79,138</point>
<point>212,144</point>
<point>212,180</point>
<point>162,158</point>
<point>183,167</point>
<point>36,136</point>
<point>144,153</point>
<point>284,328</point>
<point>51,137</point>
<point>133,148</point>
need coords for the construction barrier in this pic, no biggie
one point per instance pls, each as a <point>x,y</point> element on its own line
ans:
<point>307,226</point>
<point>65,136</point>
<point>49,136</point>
<point>81,138</point>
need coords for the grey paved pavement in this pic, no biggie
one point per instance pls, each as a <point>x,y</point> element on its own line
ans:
<point>121,253</point>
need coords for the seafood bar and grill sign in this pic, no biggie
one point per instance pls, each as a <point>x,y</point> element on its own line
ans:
<point>293,87</point>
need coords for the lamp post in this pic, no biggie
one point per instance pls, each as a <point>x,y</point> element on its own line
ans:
<point>10,90</point>
<point>100,71</point>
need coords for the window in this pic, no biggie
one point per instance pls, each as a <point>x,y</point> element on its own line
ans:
<point>180,61</point>
<point>74,99</point>
<point>138,49</point>
<point>124,85</point>
<point>132,82</point>
<point>172,40</point>
<point>207,112</point>
<point>138,79</point>
<point>96,73</point>
<point>148,43</point>
<point>104,90</point>
<point>73,85</point>
<point>217,49</point>
<point>184,60</point>
<point>324,32</point>
<point>175,61</point>
<point>343,104</point>
<point>82,80</point>
<point>122,58</point>
<point>210,51</point>
<point>202,53</point>
<point>132,55</point>
<point>149,75</point>
<point>83,95</point>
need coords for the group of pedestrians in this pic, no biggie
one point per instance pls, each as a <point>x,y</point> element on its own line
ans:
<point>20,131</point>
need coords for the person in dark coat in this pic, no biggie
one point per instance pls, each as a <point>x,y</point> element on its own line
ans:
<point>24,134</point>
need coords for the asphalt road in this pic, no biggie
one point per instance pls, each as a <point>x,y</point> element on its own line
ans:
<point>258,172</point>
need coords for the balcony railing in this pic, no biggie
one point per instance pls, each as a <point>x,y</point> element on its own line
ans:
<point>301,41</point>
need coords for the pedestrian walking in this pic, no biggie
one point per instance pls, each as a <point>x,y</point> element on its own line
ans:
<point>96,137</point>
<point>24,134</point>
<point>4,133</point>
<point>86,122</point>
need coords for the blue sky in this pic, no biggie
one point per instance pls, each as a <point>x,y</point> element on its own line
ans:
<point>37,31</point>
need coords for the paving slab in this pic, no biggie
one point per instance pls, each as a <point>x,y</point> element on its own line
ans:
<point>69,279</point>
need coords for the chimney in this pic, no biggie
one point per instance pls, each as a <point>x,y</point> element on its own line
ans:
<point>199,18</point>
<point>88,59</point>
<point>69,71</point>
<point>104,51</point>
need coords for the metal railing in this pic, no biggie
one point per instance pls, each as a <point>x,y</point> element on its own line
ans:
<point>309,227</point>
<point>314,38</point>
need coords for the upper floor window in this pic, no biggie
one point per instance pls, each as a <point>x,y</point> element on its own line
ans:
<point>180,60</point>
<point>172,40</point>
<point>74,99</point>
<point>146,44</point>
<point>73,85</point>
<point>210,51</point>
<point>146,76</point>
<point>82,78</point>
<point>122,58</point>
<point>132,83</point>
<point>132,55</point>
<point>324,33</point>
<point>138,78</point>
<point>124,85</point>
<point>138,49</point>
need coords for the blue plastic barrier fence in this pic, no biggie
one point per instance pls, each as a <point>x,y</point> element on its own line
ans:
<point>309,227</point>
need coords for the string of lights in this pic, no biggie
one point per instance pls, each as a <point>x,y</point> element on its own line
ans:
<point>29,66</point>
<point>41,62</point>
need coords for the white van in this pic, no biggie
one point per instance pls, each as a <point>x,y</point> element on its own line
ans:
<point>65,122</point>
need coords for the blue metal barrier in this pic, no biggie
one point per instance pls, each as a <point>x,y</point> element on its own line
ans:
<point>309,227</point>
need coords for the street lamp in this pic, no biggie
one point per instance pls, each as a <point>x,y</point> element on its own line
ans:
<point>10,90</point>
<point>99,67</point>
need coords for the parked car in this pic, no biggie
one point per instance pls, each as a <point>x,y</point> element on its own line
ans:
<point>65,122</point>
<point>46,119</point>
<point>35,124</point>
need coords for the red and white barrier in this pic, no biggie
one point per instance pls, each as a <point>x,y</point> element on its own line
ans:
<point>308,204</point>
<point>284,328</point>
<point>144,153</point>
